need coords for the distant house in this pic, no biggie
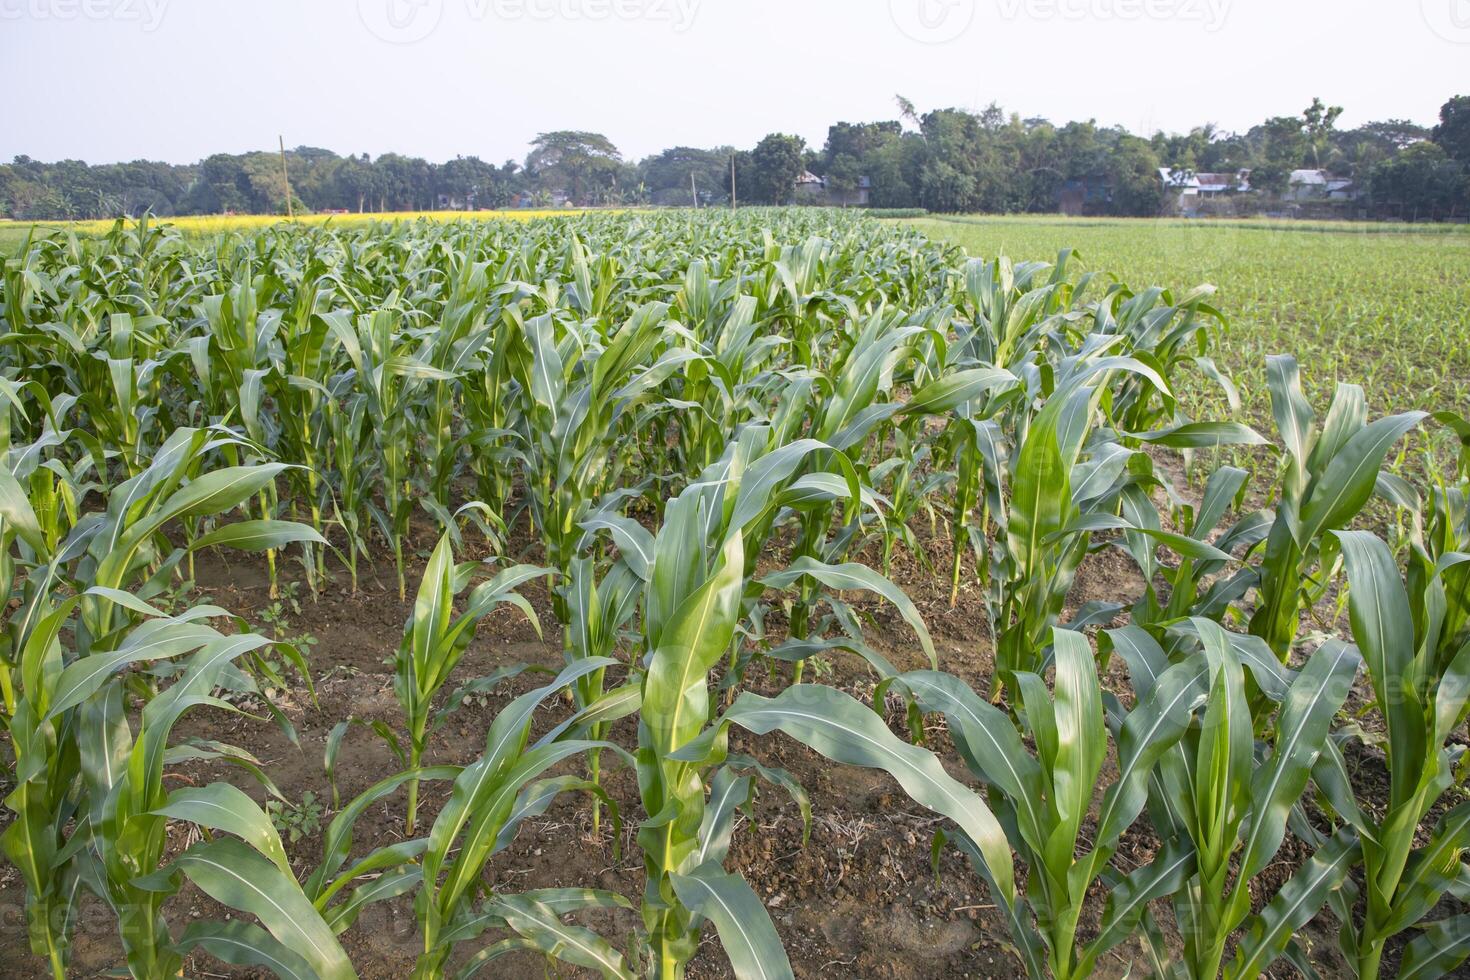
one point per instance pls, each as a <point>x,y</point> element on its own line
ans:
<point>1187,190</point>
<point>1216,185</point>
<point>1306,185</point>
<point>522,200</point>
<point>1181,188</point>
<point>810,189</point>
<point>814,190</point>
<point>857,197</point>
<point>1319,185</point>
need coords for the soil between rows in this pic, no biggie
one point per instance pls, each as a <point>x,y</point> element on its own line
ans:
<point>860,898</point>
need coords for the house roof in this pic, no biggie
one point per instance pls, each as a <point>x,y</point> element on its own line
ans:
<point>1183,179</point>
<point>1219,183</point>
<point>1310,177</point>
<point>807,177</point>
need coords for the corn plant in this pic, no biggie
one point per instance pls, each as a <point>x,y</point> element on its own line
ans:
<point>1214,794</point>
<point>488,800</point>
<point>1421,685</point>
<point>600,611</point>
<point>692,605</point>
<point>1058,500</point>
<point>75,755</point>
<point>1044,799</point>
<point>435,640</point>
<point>387,374</point>
<point>583,395</point>
<point>1328,476</point>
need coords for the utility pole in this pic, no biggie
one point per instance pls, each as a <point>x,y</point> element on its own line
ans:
<point>694,189</point>
<point>290,210</point>
<point>732,182</point>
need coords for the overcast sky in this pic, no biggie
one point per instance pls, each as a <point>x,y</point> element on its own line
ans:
<point>108,80</point>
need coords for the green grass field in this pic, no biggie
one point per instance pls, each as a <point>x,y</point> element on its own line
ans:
<point>1384,306</point>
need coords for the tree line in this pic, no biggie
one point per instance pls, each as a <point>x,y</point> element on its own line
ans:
<point>945,160</point>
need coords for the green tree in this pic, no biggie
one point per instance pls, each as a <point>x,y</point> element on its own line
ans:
<point>667,175</point>
<point>1320,121</point>
<point>1281,148</point>
<point>583,165</point>
<point>1453,131</point>
<point>1133,173</point>
<point>1420,183</point>
<point>775,163</point>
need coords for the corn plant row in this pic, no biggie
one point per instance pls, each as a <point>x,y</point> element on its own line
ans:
<point>718,431</point>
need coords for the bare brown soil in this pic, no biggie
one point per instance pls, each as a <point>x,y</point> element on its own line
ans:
<point>860,899</point>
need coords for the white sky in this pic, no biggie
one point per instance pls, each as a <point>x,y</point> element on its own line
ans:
<point>108,80</point>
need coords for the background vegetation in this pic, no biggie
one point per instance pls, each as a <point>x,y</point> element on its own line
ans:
<point>946,160</point>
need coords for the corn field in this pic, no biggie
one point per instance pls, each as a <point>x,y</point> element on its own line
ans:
<point>712,454</point>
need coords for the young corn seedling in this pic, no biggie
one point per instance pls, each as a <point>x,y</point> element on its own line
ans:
<point>488,801</point>
<point>1328,477</point>
<point>600,610</point>
<point>693,600</point>
<point>1216,795</point>
<point>1420,674</point>
<point>583,396</point>
<point>388,376</point>
<point>435,640</point>
<point>1044,799</point>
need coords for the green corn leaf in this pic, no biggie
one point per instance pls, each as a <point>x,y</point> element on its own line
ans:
<point>675,690</point>
<point>1383,627</point>
<point>1296,904</point>
<point>1081,736</point>
<point>337,841</point>
<point>221,490</point>
<point>1295,419</point>
<point>635,544</point>
<point>1438,950</point>
<point>16,513</point>
<point>1314,699</point>
<point>234,875</point>
<point>1128,899</point>
<point>257,536</point>
<point>843,730</point>
<point>1201,435</point>
<point>245,944</point>
<point>171,639</point>
<point>1040,493</point>
<point>1348,481</point>
<point>383,888</point>
<point>727,793</point>
<point>220,806</point>
<point>1150,730</point>
<point>960,388</point>
<point>990,743</point>
<point>855,577</point>
<point>745,928</point>
<point>570,944</point>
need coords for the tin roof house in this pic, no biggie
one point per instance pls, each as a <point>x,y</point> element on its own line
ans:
<point>1319,185</point>
<point>1186,190</point>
